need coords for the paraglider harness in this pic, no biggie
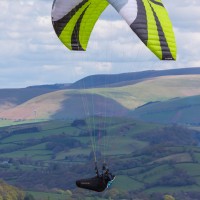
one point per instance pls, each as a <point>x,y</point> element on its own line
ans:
<point>98,183</point>
<point>107,176</point>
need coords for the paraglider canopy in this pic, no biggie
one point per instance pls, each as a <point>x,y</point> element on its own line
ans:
<point>73,21</point>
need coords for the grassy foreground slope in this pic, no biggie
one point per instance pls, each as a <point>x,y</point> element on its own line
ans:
<point>9,192</point>
<point>104,101</point>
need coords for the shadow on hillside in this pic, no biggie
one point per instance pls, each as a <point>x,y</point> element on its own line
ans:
<point>84,105</point>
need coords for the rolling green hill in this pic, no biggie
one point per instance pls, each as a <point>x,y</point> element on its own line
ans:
<point>178,110</point>
<point>116,101</point>
<point>9,98</point>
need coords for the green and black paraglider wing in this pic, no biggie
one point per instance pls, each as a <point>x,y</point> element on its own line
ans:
<point>73,20</point>
<point>150,21</point>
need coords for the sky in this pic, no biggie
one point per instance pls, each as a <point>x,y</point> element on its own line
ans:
<point>31,53</point>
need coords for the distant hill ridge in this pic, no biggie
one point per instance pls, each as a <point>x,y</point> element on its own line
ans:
<point>112,80</point>
<point>60,101</point>
<point>57,86</point>
<point>14,96</point>
<point>116,80</point>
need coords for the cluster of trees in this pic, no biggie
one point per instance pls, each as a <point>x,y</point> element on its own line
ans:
<point>170,136</point>
<point>178,177</point>
<point>174,196</point>
<point>58,143</point>
<point>7,133</point>
<point>8,192</point>
<point>56,175</point>
<point>55,143</point>
<point>25,130</point>
<point>187,195</point>
<point>78,123</point>
<point>21,144</point>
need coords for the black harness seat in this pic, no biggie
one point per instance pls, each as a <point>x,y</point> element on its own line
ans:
<point>97,183</point>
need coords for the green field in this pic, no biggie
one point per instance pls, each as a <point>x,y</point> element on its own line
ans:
<point>49,195</point>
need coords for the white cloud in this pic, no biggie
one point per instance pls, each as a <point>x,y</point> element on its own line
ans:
<point>82,68</point>
<point>79,71</point>
<point>109,29</point>
<point>103,67</point>
<point>51,67</point>
<point>4,5</point>
<point>43,22</point>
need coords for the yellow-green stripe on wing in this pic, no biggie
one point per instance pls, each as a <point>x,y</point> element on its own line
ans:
<point>150,21</point>
<point>75,26</point>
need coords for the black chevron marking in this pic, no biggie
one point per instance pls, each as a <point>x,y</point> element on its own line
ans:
<point>166,54</point>
<point>139,26</point>
<point>75,43</point>
<point>157,3</point>
<point>61,23</point>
